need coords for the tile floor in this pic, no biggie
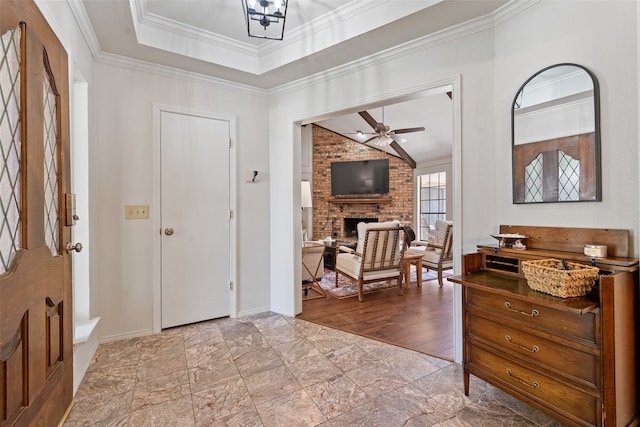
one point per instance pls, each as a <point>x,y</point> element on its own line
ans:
<point>273,370</point>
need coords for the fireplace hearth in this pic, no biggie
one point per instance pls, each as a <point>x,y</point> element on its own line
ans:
<point>351,226</point>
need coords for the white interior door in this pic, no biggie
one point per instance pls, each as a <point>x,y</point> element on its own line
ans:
<point>194,218</point>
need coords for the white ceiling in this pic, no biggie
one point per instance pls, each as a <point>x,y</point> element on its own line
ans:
<point>433,110</point>
<point>209,37</point>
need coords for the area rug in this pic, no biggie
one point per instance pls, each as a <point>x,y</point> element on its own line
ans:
<point>348,288</point>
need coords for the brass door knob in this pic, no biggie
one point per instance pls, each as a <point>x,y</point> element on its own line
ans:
<point>168,231</point>
<point>71,247</point>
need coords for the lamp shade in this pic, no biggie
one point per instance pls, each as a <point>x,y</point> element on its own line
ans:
<point>305,195</point>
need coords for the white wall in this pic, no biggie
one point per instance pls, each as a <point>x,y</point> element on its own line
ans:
<point>432,65</point>
<point>124,137</point>
<point>600,35</point>
<point>491,64</point>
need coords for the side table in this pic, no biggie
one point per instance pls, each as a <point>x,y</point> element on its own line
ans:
<point>415,259</point>
<point>331,250</point>
<point>312,269</point>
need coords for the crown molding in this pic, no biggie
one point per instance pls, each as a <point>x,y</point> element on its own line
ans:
<point>177,73</point>
<point>142,17</point>
<point>512,9</point>
<point>101,57</point>
<point>337,16</point>
<point>353,19</point>
<point>86,29</point>
<point>165,34</point>
<point>447,35</point>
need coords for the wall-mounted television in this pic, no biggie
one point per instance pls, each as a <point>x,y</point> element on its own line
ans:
<point>360,177</point>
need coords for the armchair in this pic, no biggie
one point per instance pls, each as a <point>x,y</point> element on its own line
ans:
<point>377,257</point>
<point>438,254</point>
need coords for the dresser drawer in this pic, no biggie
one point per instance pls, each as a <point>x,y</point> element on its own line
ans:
<point>580,365</point>
<point>561,398</point>
<point>557,322</point>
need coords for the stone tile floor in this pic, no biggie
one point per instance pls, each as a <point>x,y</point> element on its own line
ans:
<point>273,370</point>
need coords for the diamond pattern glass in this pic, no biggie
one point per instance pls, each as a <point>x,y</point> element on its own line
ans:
<point>568,178</point>
<point>51,207</point>
<point>533,180</point>
<point>10,147</point>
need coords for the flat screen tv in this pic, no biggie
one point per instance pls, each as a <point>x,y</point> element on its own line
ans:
<point>360,177</point>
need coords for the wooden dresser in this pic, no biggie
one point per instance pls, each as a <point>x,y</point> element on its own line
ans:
<point>573,358</point>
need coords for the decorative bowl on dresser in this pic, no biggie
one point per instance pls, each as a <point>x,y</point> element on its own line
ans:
<point>573,358</point>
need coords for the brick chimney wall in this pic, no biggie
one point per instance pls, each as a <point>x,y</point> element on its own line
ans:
<point>328,218</point>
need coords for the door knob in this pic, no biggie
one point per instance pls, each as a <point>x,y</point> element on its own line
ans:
<point>168,231</point>
<point>71,247</point>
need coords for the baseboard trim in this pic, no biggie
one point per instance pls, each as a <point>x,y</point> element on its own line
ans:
<point>118,337</point>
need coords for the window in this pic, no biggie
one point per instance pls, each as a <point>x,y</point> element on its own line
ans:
<point>432,190</point>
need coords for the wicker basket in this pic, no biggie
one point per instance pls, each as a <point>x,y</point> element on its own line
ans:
<point>549,276</point>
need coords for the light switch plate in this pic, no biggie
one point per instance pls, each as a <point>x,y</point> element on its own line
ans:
<point>136,212</point>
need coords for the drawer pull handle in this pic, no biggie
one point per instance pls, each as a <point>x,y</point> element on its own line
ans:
<point>533,313</point>
<point>535,384</point>
<point>533,349</point>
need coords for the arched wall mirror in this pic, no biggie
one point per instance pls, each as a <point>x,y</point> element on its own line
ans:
<point>555,125</point>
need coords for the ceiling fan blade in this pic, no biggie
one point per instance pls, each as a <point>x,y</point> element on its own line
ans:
<point>408,130</point>
<point>396,138</point>
<point>372,122</point>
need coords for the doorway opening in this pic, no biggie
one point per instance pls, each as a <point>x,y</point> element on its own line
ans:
<point>446,308</point>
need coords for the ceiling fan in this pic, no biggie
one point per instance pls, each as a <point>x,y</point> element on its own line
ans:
<point>383,134</point>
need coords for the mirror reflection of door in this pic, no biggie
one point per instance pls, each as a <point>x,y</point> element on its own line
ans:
<point>556,137</point>
<point>36,355</point>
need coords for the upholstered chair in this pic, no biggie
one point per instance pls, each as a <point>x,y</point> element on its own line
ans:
<point>377,257</point>
<point>438,251</point>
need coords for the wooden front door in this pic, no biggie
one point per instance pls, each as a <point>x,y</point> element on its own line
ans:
<point>36,371</point>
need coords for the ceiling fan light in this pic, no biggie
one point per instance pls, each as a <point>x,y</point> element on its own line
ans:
<point>382,141</point>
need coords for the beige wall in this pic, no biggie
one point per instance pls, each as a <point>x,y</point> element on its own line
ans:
<point>490,60</point>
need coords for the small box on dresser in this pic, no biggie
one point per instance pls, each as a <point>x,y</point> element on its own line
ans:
<point>573,358</point>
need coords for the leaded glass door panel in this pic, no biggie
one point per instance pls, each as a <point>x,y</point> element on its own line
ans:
<point>36,372</point>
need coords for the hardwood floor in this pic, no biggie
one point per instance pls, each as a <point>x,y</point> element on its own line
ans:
<point>421,319</point>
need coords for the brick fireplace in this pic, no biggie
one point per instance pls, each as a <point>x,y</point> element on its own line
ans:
<point>336,217</point>
<point>350,226</point>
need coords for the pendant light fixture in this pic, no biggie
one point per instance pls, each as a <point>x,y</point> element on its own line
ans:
<point>265,19</point>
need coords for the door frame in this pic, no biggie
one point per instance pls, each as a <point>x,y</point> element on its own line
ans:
<point>155,206</point>
<point>456,182</point>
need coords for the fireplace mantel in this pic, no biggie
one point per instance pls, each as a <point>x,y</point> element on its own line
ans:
<point>359,200</point>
